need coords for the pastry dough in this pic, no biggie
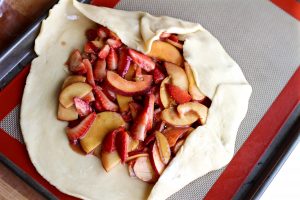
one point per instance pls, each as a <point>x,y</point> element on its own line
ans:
<point>208,148</point>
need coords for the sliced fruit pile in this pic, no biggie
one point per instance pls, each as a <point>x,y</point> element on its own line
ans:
<point>127,107</point>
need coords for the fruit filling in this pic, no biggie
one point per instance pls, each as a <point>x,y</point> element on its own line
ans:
<point>129,108</point>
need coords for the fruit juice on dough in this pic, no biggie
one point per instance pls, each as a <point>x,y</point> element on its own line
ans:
<point>16,15</point>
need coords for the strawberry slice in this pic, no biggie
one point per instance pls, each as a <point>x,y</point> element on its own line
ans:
<point>89,47</point>
<point>158,75</point>
<point>103,53</point>
<point>98,106</point>
<point>89,74</point>
<point>91,34</point>
<point>134,108</point>
<point>75,62</point>
<point>114,43</point>
<point>149,139</point>
<point>81,129</point>
<point>110,94</point>
<point>144,119</point>
<point>179,95</point>
<point>126,116</point>
<point>100,70</point>
<point>173,38</point>
<point>104,100</point>
<point>122,141</point>
<point>150,112</point>
<point>82,107</point>
<point>103,32</point>
<point>157,115</point>
<point>109,141</point>
<point>142,60</point>
<point>112,60</point>
<point>124,62</point>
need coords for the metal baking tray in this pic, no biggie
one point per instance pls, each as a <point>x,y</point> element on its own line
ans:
<point>20,53</point>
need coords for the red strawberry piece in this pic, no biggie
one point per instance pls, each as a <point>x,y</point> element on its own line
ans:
<point>165,35</point>
<point>142,60</point>
<point>89,47</point>
<point>157,115</point>
<point>81,129</point>
<point>155,90</point>
<point>173,38</point>
<point>110,94</point>
<point>114,43</point>
<point>103,53</point>
<point>103,32</point>
<point>179,95</point>
<point>89,74</point>
<point>150,112</point>
<point>93,58</point>
<point>74,123</point>
<point>134,108</point>
<point>126,116</point>
<point>89,97</point>
<point>75,62</point>
<point>149,139</point>
<point>158,75</point>
<point>104,100</point>
<point>124,62</point>
<point>109,141</point>
<point>91,34</point>
<point>100,70</point>
<point>112,60</point>
<point>144,119</point>
<point>98,106</point>
<point>122,141</point>
<point>82,107</point>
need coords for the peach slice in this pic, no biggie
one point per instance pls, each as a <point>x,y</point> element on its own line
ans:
<point>166,52</point>
<point>164,95</point>
<point>137,155</point>
<point>143,169</point>
<point>193,88</point>
<point>74,90</point>
<point>128,88</point>
<point>66,114</point>
<point>194,107</point>
<point>123,102</point>
<point>163,147</point>
<point>179,78</point>
<point>155,159</point>
<point>73,79</point>
<point>172,117</point>
<point>110,160</point>
<point>174,133</point>
<point>105,122</point>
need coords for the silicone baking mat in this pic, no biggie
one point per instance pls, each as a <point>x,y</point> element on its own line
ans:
<point>264,39</point>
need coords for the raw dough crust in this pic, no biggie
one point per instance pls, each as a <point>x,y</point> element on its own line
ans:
<point>208,148</point>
